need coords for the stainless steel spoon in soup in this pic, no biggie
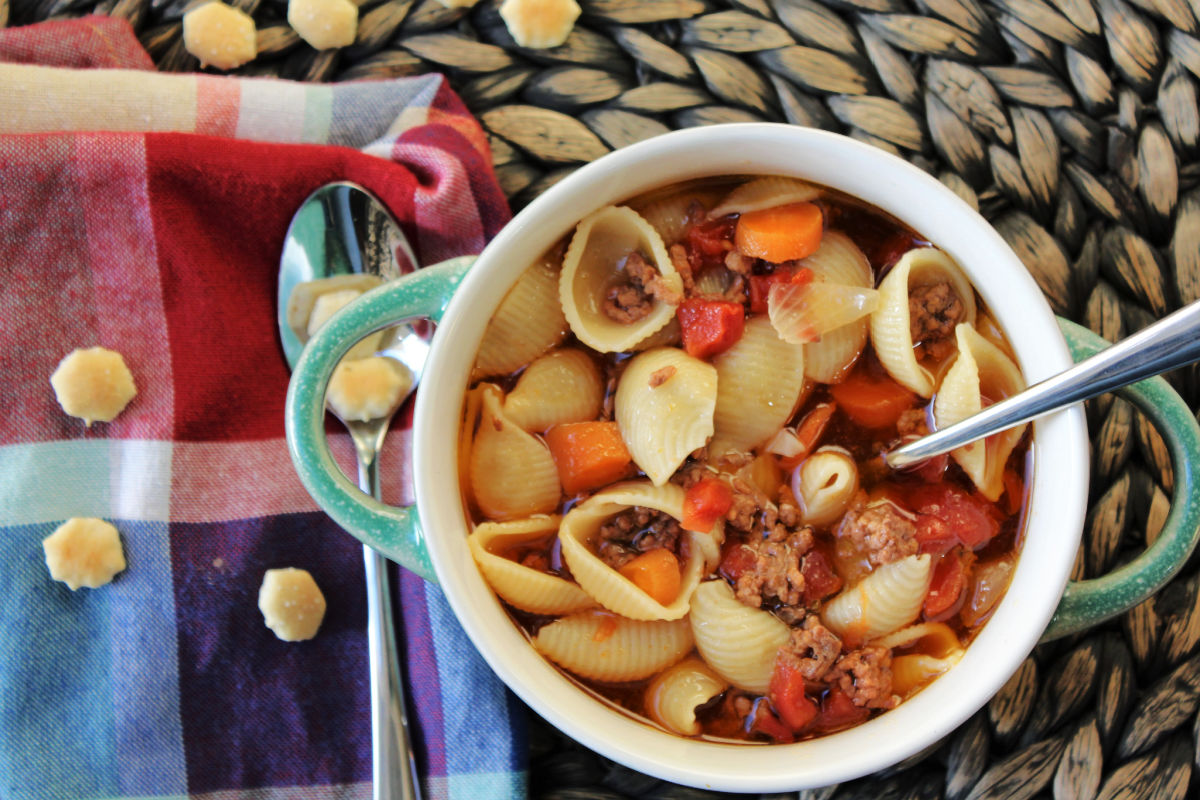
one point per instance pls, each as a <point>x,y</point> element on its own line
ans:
<point>1172,342</point>
<point>342,230</point>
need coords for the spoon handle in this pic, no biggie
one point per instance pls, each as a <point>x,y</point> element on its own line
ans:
<point>1173,341</point>
<point>394,768</point>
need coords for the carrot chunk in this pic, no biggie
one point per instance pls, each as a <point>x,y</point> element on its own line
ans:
<point>656,572</point>
<point>588,454</point>
<point>872,402</point>
<point>779,234</point>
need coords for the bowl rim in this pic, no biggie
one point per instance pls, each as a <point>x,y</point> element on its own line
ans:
<point>1057,500</point>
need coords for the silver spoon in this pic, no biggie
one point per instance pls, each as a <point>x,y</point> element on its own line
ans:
<point>1172,342</point>
<point>341,229</point>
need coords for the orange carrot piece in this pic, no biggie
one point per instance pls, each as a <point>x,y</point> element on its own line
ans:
<point>809,432</point>
<point>870,401</point>
<point>779,234</point>
<point>656,572</point>
<point>588,454</point>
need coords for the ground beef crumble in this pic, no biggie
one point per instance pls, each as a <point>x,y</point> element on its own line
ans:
<point>881,532</point>
<point>777,575</point>
<point>865,675</point>
<point>635,531</point>
<point>813,649</point>
<point>912,422</point>
<point>634,298</point>
<point>934,310</point>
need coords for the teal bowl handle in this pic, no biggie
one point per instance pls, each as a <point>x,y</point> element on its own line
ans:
<point>1090,602</point>
<point>395,532</point>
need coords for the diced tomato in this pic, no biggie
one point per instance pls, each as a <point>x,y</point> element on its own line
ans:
<point>760,285</point>
<point>946,588</point>
<point>884,255</point>
<point>763,720</point>
<point>709,242</point>
<point>820,580</point>
<point>934,536</point>
<point>710,327</point>
<point>736,560</point>
<point>970,518</point>
<point>706,502</point>
<point>838,711</point>
<point>787,696</point>
<point>932,469</point>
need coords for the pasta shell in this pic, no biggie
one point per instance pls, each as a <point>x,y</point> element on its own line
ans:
<point>610,588</point>
<point>672,697</point>
<point>664,406</point>
<point>883,601</point>
<point>980,372</point>
<point>667,336</point>
<point>758,382</point>
<point>512,472</point>
<point>562,386</point>
<point>594,264</point>
<point>673,214</point>
<point>466,437</point>
<point>604,647</point>
<point>838,260</point>
<point>737,641</point>
<point>932,638</point>
<point>520,586</point>
<point>824,484</point>
<point>891,333</point>
<point>913,671</point>
<point>761,193</point>
<point>528,322</point>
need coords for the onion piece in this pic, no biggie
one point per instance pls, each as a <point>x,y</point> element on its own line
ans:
<point>785,443</point>
<point>802,312</point>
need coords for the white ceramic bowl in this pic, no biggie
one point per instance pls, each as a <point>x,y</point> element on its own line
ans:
<point>1057,501</point>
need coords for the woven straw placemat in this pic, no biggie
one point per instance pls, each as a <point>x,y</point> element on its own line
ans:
<point>1072,125</point>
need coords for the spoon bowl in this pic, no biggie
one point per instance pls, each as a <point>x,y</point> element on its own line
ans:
<point>341,229</point>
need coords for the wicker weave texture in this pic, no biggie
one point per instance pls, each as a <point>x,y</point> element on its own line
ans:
<point>1072,125</point>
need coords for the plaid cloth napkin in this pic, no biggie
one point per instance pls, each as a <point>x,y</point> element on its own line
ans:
<point>145,213</point>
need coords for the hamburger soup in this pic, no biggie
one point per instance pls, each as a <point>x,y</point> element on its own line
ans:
<point>671,457</point>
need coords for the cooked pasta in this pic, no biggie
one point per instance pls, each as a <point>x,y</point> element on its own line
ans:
<point>737,641</point>
<point>673,697</point>
<point>562,386</point>
<point>911,672</point>
<point>882,602</point>
<point>826,483</point>
<point>528,322</point>
<point>891,323</point>
<point>616,592</point>
<point>677,493</point>
<point>522,586</point>
<point>763,193</point>
<point>664,406</point>
<point>512,473</point>
<point>602,256</point>
<point>758,384</point>
<point>838,260</point>
<point>605,647</point>
<point>982,370</point>
<point>673,214</point>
